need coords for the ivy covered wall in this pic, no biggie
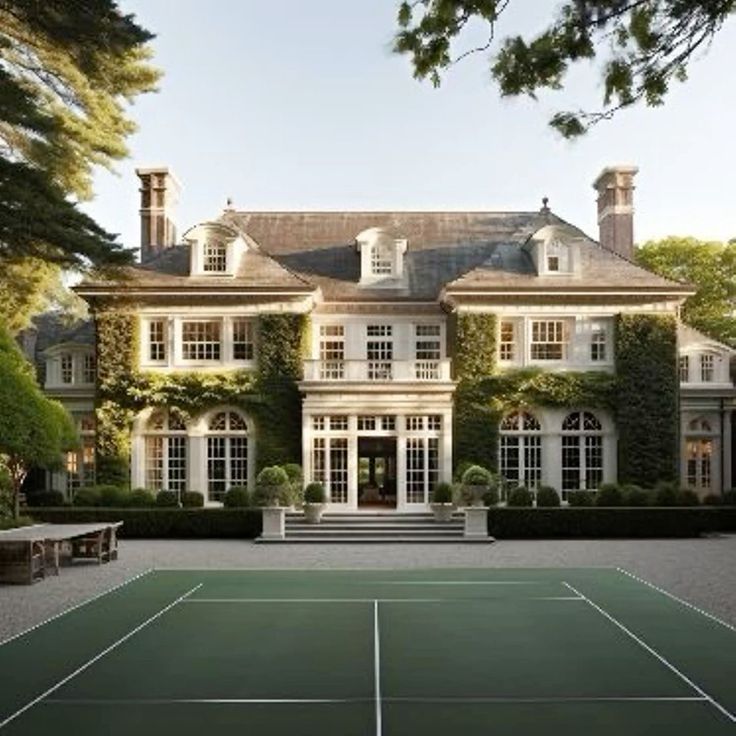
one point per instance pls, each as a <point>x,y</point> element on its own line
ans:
<point>268,395</point>
<point>647,398</point>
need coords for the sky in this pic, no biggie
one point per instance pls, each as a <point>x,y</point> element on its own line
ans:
<point>302,105</point>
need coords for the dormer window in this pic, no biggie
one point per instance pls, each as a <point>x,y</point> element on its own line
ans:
<point>214,257</point>
<point>707,368</point>
<point>381,258</point>
<point>553,263</point>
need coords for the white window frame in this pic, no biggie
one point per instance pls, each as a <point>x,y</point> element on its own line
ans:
<point>507,349</point>
<point>583,442</point>
<point>683,367</point>
<point>214,257</point>
<point>169,442</point>
<point>550,327</point>
<point>250,338</point>
<point>598,343</point>
<point>233,441</point>
<point>707,368</point>
<point>522,432</point>
<point>220,342</point>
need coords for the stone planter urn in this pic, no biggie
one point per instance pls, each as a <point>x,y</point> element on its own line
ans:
<point>476,494</point>
<point>442,511</point>
<point>313,512</point>
<point>274,518</point>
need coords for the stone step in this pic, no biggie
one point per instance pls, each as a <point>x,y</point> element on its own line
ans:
<point>388,539</point>
<point>408,528</point>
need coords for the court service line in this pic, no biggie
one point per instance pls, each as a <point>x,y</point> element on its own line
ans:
<point>675,598</point>
<point>75,607</point>
<point>380,600</point>
<point>456,582</point>
<point>97,657</point>
<point>655,654</point>
<point>377,667</point>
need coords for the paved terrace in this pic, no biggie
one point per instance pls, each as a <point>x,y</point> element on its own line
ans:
<point>701,571</point>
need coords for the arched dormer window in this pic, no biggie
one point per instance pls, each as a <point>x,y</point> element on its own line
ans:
<point>214,257</point>
<point>520,446</point>
<point>381,257</point>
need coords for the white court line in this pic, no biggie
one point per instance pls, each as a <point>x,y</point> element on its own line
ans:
<point>380,600</point>
<point>97,657</point>
<point>74,607</point>
<point>377,667</point>
<point>454,582</point>
<point>204,701</point>
<point>656,654</point>
<point>679,600</point>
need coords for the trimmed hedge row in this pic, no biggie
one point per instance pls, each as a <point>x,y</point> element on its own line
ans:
<point>164,523</point>
<point>608,523</point>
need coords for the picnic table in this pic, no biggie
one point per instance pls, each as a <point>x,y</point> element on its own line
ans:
<point>27,552</point>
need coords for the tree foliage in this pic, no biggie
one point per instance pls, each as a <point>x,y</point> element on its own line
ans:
<point>711,268</point>
<point>645,46</point>
<point>34,430</point>
<point>68,70</point>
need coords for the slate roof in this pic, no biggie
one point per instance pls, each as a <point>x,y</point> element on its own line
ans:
<point>479,250</point>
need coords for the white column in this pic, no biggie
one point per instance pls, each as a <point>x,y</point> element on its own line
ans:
<point>446,447</point>
<point>400,463</point>
<point>137,461</point>
<point>307,447</point>
<point>197,465</point>
<point>352,461</point>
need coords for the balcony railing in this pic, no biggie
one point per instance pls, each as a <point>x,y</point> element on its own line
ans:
<point>377,370</point>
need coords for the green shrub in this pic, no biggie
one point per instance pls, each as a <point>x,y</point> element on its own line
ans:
<point>442,493</point>
<point>165,523</point>
<point>45,498</point>
<point>272,487</point>
<point>238,497</point>
<point>475,475</point>
<point>141,498</point>
<point>8,522</point>
<point>665,494</point>
<point>167,499</point>
<point>315,493</point>
<point>490,496</point>
<point>604,523</point>
<point>634,495</point>
<point>609,494</point>
<point>712,499</point>
<point>462,466</point>
<point>580,498</point>
<point>520,496</point>
<point>729,497</point>
<point>192,500</point>
<point>547,497</point>
<point>89,496</point>
<point>113,496</point>
<point>687,497</point>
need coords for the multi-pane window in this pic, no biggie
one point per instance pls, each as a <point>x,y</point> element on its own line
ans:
<point>367,424</point>
<point>80,463</point>
<point>318,424</point>
<point>707,367</point>
<point>427,351</point>
<point>507,343</point>
<point>553,263</point>
<point>243,339</point>
<point>157,340</point>
<point>67,368</point>
<point>521,449</point>
<point>381,261</point>
<point>338,423</point>
<point>166,452</point>
<point>548,340</point>
<point>214,257</point>
<point>201,340</point>
<point>89,371</point>
<point>330,466</point>
<point>684,365</point>
<point>582,452</point>
<point>598,343</point>
<point>379,352</point>
<point>227,454</point>
<point>422,468</point>
<point>699,454</point>
<point>332,352</point>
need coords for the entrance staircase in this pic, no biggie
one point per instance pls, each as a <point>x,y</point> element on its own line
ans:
<point>374,527</point>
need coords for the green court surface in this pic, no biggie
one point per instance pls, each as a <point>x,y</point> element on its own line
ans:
<point>370,653</point>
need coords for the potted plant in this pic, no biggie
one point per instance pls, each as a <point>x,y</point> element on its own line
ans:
<point>315,502</point>
<point>442,505</point>
<point>272,493</point>
<point>476,481</point>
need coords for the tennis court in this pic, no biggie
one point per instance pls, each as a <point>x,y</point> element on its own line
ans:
<point>469,652</point>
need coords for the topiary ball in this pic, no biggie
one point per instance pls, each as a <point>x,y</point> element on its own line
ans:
<point>520,496</point>
<point>547,497</point>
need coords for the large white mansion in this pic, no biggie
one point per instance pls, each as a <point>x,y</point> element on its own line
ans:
<point>378,384</point>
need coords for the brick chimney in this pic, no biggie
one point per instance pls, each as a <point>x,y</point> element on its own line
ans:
<point>615,187</point>
<point>159,196</point>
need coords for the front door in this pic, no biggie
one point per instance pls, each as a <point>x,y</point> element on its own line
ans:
<point>377,472</point>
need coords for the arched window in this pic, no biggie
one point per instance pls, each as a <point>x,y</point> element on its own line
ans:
<point>701,424</point>
<point>166,451</point>
<point>227,453</point>
<point>582,452</point>
<point>521,449</point>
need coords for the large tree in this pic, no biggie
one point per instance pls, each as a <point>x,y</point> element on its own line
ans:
<point>34,430</point>
<point>68,70</point>
<point>645,46</point>
<point>711,268</point>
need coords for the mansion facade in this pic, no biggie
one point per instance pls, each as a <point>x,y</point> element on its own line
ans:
<point>384,300</point>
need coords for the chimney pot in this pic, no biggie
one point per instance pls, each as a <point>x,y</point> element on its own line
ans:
<point>615,187</point>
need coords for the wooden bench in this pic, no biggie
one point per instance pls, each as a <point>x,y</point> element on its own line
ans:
<point>30,553</point>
